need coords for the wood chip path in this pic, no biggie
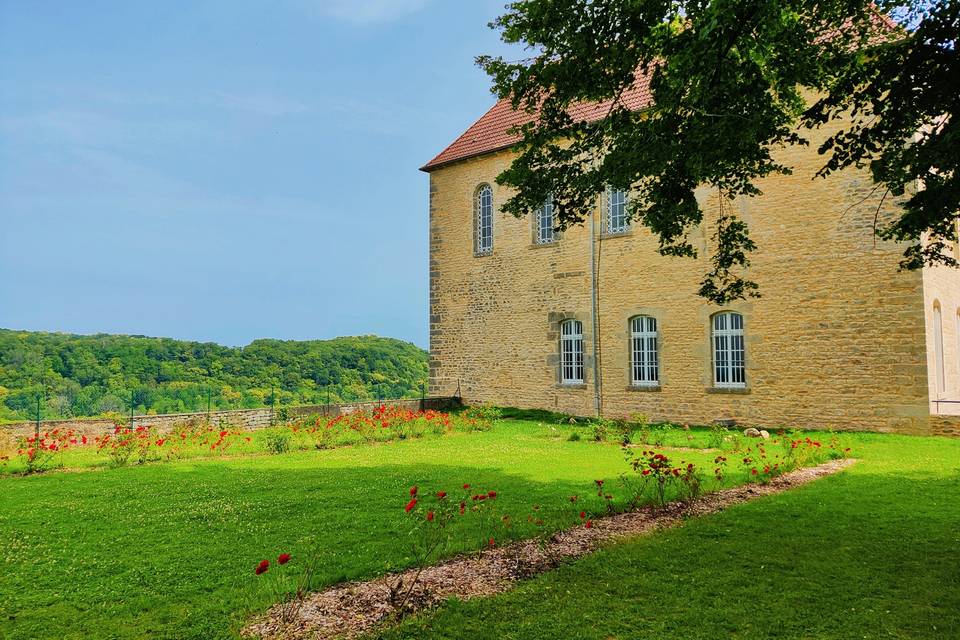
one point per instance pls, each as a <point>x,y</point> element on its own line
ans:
<point>351,609</point>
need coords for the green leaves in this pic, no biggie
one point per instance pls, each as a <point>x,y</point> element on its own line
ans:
<point>727,79</point>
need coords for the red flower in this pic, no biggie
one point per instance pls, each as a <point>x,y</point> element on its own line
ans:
<point>599,483</point>
<point>491,542</point>
<point>463,507</point>
<point>588,524</point>
<point>753,471</point>
<point>492,494</point>
<point>262,567</point>
<point>429,516</point>
<point>583,514</point>
<point>413,490</point>
<point>466,486</point>
<point>283,558</point>
<point>441,494</point>
<point>410,505</point>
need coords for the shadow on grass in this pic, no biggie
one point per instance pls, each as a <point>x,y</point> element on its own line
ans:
<point>169,551</point>
<point>858,555</point>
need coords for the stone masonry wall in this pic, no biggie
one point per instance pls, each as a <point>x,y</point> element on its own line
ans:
<point>248,419</point>
<point>836,340</point>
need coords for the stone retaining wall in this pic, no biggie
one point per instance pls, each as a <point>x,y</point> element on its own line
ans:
<point>248,419</point>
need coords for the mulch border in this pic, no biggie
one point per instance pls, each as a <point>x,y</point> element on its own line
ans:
<point>351,609</point>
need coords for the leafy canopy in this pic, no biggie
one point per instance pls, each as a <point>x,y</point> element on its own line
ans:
<point>90,375</point>
<point>728,81</point>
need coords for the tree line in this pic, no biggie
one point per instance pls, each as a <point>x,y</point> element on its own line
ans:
<point>74,375</point>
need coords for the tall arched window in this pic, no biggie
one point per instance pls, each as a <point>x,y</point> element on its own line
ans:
<point>938,347</point>
<point>617,211</point>
<point>645,371</point>
<point>729,351</point>
<point>571,352</point>
<point>483,234</point>
<point>546,222</point>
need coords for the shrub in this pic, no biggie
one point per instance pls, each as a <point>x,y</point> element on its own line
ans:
<point>601,429</point>
<point>277,442</point>
<point>484,416</point>
<point>431,514</point>
<point>573,437</point>
<point>42,452</point>
<point>126,443</point>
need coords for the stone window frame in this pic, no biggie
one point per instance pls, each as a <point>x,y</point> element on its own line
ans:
<point>939,359</point>
<point>536,242</point>
<point>605,230</point>
<point>957,355</point>
<point>479,251</point>
<point>627,340</point>
<point>705,351</point>
<point>554,320</point>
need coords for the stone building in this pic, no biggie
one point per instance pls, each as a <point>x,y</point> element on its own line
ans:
<point>593,320</point>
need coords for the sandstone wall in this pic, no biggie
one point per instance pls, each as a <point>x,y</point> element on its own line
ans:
<point>836,340</point>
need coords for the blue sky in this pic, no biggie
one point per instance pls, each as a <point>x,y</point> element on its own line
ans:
<point>224,171</point>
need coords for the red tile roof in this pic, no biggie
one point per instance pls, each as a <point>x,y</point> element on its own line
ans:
<point>491,131</point>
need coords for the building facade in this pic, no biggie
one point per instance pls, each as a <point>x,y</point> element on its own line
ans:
<point>594,321</point>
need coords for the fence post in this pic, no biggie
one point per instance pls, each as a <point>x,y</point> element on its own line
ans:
<point>208,405</point>
<point>36,429</point>
<point>423,396</point>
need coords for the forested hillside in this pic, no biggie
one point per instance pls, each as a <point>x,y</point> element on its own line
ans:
<point>92,375</point>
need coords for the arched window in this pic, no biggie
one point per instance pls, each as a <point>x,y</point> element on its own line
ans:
<point>617,211</point>
<point>483,243</point>
<point>546,222</point>
<point>938,347</point>
<point>645,371</point>
<point>728,350</point>
<point>571,352</point>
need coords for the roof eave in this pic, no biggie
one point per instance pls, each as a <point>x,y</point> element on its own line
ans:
<point>433,166</point>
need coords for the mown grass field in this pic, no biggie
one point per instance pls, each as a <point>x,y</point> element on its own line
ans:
<point>167,550</point>
<point>873,552</point>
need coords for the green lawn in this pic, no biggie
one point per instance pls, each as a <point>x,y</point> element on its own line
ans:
<point>873,552</point>
<point>167,550</point>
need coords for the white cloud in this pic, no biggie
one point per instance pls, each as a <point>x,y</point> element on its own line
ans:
<point>365,11</point>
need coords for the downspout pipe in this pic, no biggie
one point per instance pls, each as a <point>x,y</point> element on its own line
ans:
<point>593,314</point>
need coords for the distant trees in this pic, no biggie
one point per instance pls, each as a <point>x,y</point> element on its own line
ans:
<point>90,375</point>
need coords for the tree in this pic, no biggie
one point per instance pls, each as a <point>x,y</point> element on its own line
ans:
<point>728,80</point>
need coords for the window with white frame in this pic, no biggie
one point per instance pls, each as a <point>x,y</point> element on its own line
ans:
<point>938,348</point>
<point>728,351</point>
<point>483,244</point>
<point>571,352</point>
<point>546,222</point>
<point>617,211</point>
<point>645,371</point>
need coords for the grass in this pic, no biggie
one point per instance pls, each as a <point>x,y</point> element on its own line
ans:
<point>167,550</point>
<point>870,553</point>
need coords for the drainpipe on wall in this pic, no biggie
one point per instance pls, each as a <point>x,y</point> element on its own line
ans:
<point>593,315</point>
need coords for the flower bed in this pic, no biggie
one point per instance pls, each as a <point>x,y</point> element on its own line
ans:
<point>124,445</point>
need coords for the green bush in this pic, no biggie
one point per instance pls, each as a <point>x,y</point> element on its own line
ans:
<point>277,442</point>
